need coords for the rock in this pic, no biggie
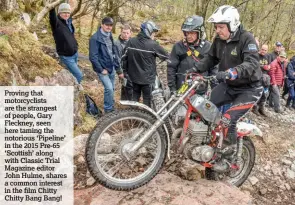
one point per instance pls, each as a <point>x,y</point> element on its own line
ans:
<point>291,153</point>
<point>293,167</point>
<point>277,171</point>
<point>75,169</point>
<point>290,174</point>
<point>262,191</point>
<point>90,181</point>
<point>167,188</point>
<point>79,145</point>
<point>27,19</point>
<point>44,31</point>
<point>190,170</point>
<point>253,180</point>
<point>286,162</point>
<point>80,159</point>
<point>288,187</point>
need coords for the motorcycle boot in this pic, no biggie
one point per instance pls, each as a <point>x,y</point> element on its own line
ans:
<point>228,158</point>
<point>255,110</point>
<point>262,111</point>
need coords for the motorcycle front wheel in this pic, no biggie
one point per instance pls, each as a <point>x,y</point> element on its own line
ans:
<point>115,132</point>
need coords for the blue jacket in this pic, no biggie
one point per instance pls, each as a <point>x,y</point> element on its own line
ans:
<point>290,71</point>
<point>99,56</point>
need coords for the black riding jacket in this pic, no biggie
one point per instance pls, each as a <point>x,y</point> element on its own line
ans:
<point>241,53</point>
<point>182,58</point>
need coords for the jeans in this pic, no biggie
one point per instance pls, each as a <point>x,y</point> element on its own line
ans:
<point>108,82</point>
<point>71,63</point>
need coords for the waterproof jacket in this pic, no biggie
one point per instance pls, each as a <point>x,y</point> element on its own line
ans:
<point>240,53</point>
<point>291,72</point>
<point>140,59</point>
<point>182,58</point>
<point>66,44</point>
<point>99,55</point>
<point>277,72</point>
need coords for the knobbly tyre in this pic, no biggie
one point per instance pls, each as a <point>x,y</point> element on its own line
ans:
<point>128,147</point>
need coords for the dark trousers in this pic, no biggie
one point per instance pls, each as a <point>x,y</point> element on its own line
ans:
<point>242,99</point>
<point>127,91</point>
<point>146,91</point>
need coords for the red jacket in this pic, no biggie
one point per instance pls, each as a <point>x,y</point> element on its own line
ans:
<point>277,72</point>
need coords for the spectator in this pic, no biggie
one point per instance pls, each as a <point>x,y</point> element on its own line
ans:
<point>265,67</point>
<point>277,73</point>
<point>63,33</point>
<point>276,52</point>
<point>187,52</point>
<point>127,89</point>
<point>291,83</point>
<point>140,61</point>
<point>104,57</point>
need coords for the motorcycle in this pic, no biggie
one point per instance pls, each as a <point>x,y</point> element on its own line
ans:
<point>128,147</point>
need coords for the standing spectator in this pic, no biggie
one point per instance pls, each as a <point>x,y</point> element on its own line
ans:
<point>187,52</point>
<point>126,90</point>
<point>277,74</point>
<point>291,83</point>
<point>66,44</point>
<point>104,57</point>
<point>140,61</point>
<point>265,67</point>
<point>276,52</point>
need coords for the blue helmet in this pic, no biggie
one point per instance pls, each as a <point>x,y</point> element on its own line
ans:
<point>149,27</point>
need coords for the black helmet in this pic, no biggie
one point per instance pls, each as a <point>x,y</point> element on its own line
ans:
<point>149,27</point>
<point>194,23</point>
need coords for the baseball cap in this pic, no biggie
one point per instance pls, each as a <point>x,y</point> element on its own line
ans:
<point>107,21</point>
<point>283,54</point>
<point>278,43</point>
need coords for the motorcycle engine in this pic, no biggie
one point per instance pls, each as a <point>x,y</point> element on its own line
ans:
<point>196,148</point>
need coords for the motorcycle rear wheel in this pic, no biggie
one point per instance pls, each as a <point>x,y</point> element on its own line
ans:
<point>112,133</point>
<point>237,178</point>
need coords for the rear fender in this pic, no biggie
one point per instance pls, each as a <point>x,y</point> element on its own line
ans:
<point>247,129</point>
<point>151,111</point>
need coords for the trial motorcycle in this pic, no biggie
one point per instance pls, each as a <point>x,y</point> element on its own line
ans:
<point>128,147</point>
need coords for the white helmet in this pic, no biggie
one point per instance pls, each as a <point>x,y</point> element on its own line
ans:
<point>228,15</point>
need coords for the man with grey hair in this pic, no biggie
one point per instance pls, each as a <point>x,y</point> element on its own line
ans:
<point>63,34</point>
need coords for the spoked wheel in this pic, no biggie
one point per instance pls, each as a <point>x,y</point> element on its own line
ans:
<point>237,177</point>
<point>111,139</point>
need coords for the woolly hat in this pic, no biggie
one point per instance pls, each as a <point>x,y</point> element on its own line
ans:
<point>64,8</point>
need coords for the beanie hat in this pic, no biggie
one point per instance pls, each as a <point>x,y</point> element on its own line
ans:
<point>64,8</point>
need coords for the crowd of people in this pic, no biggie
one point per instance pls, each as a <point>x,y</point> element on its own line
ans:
<point>249,77</point>
<point>134,59</point>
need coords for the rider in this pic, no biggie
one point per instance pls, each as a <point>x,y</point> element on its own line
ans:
<point>140,61</point>
<point>188,51</point>
<point>236,52</point>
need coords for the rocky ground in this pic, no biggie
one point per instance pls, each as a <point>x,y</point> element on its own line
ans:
<point>272,180</point>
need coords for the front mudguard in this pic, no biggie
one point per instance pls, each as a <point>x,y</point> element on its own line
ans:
<point>250,130</point>
<point>151,111</point>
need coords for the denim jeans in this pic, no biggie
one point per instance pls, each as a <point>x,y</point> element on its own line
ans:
<point>108,82</point>
<point>71,63</point>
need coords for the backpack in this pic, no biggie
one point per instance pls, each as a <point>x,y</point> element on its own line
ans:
<point>91,107</point>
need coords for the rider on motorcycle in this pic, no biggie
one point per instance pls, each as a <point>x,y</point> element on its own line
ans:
<point>236,52</point>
